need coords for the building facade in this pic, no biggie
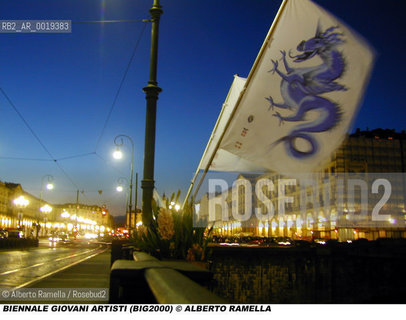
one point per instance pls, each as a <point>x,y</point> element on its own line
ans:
<point>331,206</point>
<point>21,210</point>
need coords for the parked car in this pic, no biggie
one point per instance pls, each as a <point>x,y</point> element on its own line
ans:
<point>14,234</point>
<point>256,240</point>
<point>3,234</point>
<point>320,241</point>
<point>284,241</point>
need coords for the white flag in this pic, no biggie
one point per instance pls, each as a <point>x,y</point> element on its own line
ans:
<point>224,160</point>
<point>303,92</point>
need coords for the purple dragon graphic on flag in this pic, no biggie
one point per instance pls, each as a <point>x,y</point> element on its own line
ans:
<point>301,89</point>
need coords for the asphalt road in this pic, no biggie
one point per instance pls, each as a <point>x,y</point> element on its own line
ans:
<point>21,268</point>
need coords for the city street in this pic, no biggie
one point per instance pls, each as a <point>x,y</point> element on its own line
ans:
<point>21,268</point>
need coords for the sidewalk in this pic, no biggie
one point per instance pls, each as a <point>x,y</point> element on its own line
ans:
<point>92,273</point>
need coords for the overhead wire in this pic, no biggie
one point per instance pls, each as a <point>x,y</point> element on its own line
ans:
<point>120,87</point>
<point>76,156</point>
<point>52,158</point>
<point>24,159</point>
<point>56,160</point>
<point>26,123</point>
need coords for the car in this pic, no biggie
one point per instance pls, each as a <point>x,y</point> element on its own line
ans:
<point>284,241</point>
<point>58,237</point>
<point>14,234</point>
<point>64,238</point>
<point>270,240</point>
<point>54,239</point>
<point>256,241</point>
<point>320,241</point>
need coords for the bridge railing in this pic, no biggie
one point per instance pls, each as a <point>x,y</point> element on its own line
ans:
<point>146,279</point>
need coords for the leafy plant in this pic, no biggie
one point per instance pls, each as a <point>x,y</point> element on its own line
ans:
<point>171,234</point>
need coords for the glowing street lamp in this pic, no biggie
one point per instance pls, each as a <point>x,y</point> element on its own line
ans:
<point>117,154</point>
<point>21,202</point>
<point>118,141</point>
<point>49,186</point>
<point>121,182</point>
<point>46,209</point>
<point>65,214</point>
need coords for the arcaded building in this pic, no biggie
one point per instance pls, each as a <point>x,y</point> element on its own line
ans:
<point>359,193</point>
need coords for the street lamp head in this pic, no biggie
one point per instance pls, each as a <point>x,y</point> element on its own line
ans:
<point>49,184</point>
<point>46,209</point>
<point>117,154</point>
<point>118,141</point>
<point>121,182</point>
<point>21,201</point>
<point>65,214</point>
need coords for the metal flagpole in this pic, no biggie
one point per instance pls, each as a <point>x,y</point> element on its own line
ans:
<point>201,160</point>
<point>206,149</point>
<point>250,75</point>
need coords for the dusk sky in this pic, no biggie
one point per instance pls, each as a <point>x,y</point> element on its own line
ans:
<point>64,86</point>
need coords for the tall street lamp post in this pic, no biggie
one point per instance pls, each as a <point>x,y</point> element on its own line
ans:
<point>152,91</point>
<point>45,209</point>
<point>118,141</point>
<point>121,183</point>
<point>21,202</point>
<point>49,186</point>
